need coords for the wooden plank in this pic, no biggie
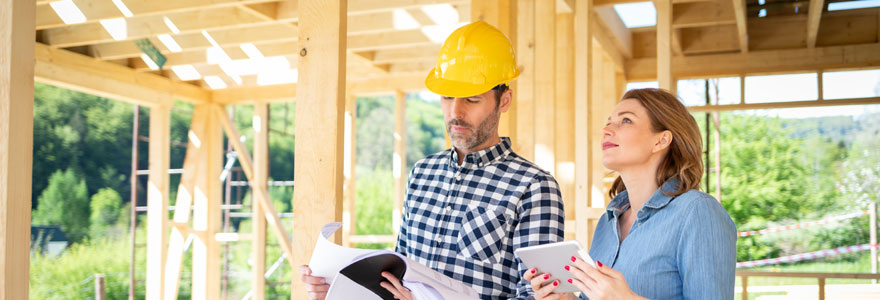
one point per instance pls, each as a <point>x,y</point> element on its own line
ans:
<point>16,145</point>
<point>545,84</point>
<point>583,14</point>
<point>287,92</point>
<point>613,25</point>
<point>317,199</point>
<point>349,216</point>
<point>260,182</point>
<point>97,10</point>
<point>664,45</point>
<point>793,60</point>
<point>814,15</point>
<point>739,11</point>
<point>600,35</point>
<point>564,116</point>
<point>157,199</point>
<point>839,28</point>
<point>89,75</point>
<point>794,104</point>
<point>524,145</point>
<point>149,26</point>
<point>186,192</point>
<point>715,39</point>
<point>502,15</point>
<point>399,159</point>
<point>206,213</point>
<point>261,195</point>
<point>701,14</point>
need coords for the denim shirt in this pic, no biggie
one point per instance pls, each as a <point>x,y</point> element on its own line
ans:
<point>680,247</point>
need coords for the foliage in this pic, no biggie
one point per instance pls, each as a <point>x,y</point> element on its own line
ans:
<point>64,202</point>
<point>861,180</point>
<point>105,209</point>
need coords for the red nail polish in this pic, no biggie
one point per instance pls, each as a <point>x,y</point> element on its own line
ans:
<point>573,258</point>
<point>570,281</point>
<point>599,263</point>
<point>547,276</point>
<point>555,283</point>
<point>533,271</point>
<point>567,268</point>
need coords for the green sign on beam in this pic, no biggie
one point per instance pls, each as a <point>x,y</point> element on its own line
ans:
<point>150,50</point>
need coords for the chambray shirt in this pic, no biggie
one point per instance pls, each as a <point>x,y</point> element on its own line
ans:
<point>680,247</point>
<point>466,221</point>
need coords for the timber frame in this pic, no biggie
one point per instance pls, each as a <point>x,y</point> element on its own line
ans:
<point>576,57</point>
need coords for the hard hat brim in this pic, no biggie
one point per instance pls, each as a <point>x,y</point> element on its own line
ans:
<point>460,89</point>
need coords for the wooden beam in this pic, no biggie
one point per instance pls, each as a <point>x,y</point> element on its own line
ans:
<point>564,115</point>
<point>186,192</point>
<point>545,84</point>
<point>583,15</point>
<point>85,74</point>
<point>16,145</point>
<point>715,39</point>
<point>399,159</point>
<point>502,15</point>
<point>287,92</point>
<point>664,44</point>
<point>261,181</point>
<point>157,199</point>
<point>317,199</point>
<point>349,216</point>
<point>814,15</point>
<point>97,10</point>
<point>794,104</point>
<point>614,27</point>
<point>739,11</point>
<point>206,212</point>
<point>525,95</point>
<point>600,35</point>
<point>774,61</point>
<point>701,14</point>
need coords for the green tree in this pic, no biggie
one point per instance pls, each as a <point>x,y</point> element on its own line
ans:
<point>105,209</point>
<point>861,179</point>
<point>65,202</point>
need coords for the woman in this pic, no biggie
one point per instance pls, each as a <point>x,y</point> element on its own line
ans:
<point>660,238</point>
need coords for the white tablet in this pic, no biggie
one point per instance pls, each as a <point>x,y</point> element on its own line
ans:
<point>552,259</point>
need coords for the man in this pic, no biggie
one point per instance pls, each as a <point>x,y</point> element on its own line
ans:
<point>468,208</point>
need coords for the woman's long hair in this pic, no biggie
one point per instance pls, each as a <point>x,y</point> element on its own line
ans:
<point>684,158</point>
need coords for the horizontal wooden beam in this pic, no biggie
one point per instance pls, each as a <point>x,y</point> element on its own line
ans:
<point>93,76</point>
<point>698,14</point>
<point>702,66</point>
<point>287,92</point>
<point>613,26</point>
<point>794,104</point>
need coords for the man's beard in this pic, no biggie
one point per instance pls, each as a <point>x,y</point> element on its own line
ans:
<point>482,133</point>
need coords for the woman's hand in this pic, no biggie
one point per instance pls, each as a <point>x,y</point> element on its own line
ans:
<point>602,283</point>
<point>543,289</point>
<point>395,287</point>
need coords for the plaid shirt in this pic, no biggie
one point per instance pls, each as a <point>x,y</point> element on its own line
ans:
<point>465,221</point>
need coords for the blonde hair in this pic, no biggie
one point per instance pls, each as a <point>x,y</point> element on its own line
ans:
<point>684,158</point>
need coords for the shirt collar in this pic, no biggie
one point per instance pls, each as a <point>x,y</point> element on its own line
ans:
<point>483,157</point>
<point>657,201</point>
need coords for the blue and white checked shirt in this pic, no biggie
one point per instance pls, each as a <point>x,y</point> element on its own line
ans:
<point>465,221</point>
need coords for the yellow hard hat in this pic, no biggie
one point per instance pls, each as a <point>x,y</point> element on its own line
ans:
<point>474,59</point>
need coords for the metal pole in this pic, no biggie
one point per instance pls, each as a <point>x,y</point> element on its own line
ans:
<point>99,287</point>
<point>708,141</point>
<point>716,117</point>
<point>133,199</point>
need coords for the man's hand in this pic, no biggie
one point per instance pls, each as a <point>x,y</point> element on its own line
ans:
<point>395,287</point>
<point>316,286</point>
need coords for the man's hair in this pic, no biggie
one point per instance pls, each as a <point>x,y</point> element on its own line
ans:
<point>499,91</point>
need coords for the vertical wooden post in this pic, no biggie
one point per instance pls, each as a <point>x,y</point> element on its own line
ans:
<point>349,191</point>
<point>183,204</point>
<point>261,181</point>
<point>564,147</point>
<point>821,288</point>
<point>399,162</point>
<point>502,15</point>
<point>664,45</point>
<point>317,199</point>
<point>157,199</point>
<point>872,212</point>
<point>745,288</point>
<point>545,84</point>
<point>524,145</point>
<point>16,145</point>
<point>99,287</point>
<point>583,61</point>
<point>206,213</point>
